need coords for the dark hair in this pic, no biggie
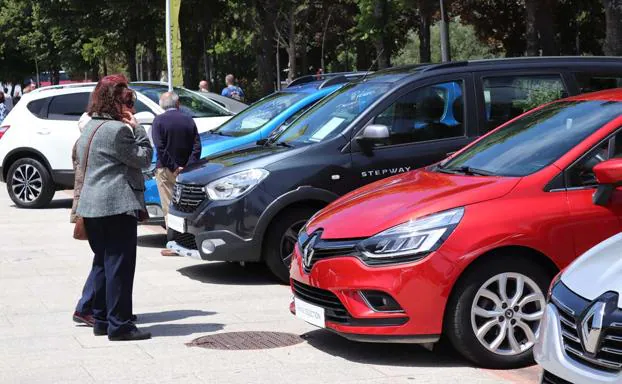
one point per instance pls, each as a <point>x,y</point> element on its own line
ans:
<point>1,97</point>
<point>110,95</point>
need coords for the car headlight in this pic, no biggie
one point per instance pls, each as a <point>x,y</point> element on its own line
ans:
<point>411,240</point>
<point>233,186</point>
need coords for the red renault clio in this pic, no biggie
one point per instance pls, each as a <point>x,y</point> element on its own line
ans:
<point>467,248</point>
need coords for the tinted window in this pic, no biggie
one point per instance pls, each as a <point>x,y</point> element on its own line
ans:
<point>589,82</point>
<point>139,106</point>
<point>68,107</point>
<point>509,96</point>
<point>258,114</point>
<point>334,113</point>
<point>37,107</point>
<point>430,113</point>
<point>536,140</point>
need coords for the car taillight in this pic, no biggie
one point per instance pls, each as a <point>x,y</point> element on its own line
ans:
<point>3,130</point>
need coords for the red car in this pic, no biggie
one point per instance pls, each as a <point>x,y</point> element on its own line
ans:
<point>466,248</point>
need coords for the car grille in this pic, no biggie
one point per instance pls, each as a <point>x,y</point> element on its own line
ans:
<point>186,240</point>
<point>609,356</point>
<point>333,308</point>
<point>324,249</point>
<point>186,198</point>
<point>549,378</point>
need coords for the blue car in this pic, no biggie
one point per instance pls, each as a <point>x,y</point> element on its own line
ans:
<point>259,121</point>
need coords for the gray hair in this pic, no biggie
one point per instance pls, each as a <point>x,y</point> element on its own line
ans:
<point>229,79</point>
<point>169,100</point>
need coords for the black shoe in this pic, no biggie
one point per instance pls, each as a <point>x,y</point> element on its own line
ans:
<point>100,331</point>
<point>83,319</point>
<point>135,334</point>
<point>134,318</point>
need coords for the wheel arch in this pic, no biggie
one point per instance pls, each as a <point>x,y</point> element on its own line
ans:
<point>20,153</point>
<point>302,196</point>
<point>520,251</point>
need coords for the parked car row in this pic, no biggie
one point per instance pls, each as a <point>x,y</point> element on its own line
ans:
<point>465,247</point>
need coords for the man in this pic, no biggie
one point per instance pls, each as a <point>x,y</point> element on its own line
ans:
<point>8,100</point>
<point>203,86</point>
<point>177,143</point>
<point>232,91</point>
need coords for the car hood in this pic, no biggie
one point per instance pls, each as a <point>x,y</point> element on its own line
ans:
<point>212,144</point>
<point>599,270</point>
<point>212,168</point>
<point>395,200</point>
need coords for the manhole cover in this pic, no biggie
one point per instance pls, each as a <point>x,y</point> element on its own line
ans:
<point>246,340</point>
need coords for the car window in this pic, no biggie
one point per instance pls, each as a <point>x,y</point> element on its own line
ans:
<point>37,108</point>
<point>591,82</point>
<point>506,97</point>
<point>68,107</point>
<point>258,114</point>
<point>194,105</point>
<point>139,106</point>
<point>290,120</point>
<point>537,139</point>
<point>333,113</point>
<point>581,174</point>
<point>430,113</point>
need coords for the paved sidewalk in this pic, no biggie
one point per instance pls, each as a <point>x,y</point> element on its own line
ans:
<point>42,270</point>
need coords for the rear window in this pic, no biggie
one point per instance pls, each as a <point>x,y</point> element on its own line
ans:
<point>592,82</point>
<point>38,108</point>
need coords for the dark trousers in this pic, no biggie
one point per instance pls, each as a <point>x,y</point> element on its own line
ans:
<point>85,304</point>
<point>113,240</point>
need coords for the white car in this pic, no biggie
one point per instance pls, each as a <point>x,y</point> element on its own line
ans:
<point>37,137</point>
<point>580,340</point>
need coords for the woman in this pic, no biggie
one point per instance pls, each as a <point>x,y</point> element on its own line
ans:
<point>3,109</point>
<point>111,200</point>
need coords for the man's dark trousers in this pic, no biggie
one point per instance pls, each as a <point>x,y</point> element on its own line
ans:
<point>113,240</point>
<point>85,304</point>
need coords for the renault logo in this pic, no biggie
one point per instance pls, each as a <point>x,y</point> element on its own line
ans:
<point>307,251</point>
<point>592,327</point>
<point>176,194</point>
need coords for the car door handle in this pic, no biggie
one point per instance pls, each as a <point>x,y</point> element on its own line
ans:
<point>43,132</point>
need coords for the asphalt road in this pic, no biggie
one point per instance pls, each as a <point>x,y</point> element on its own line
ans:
<point>42,270</point>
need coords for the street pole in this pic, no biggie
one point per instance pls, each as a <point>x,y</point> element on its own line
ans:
<point>169,53</point>
<point>445,55</point>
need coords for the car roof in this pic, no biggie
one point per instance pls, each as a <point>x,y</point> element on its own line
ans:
<point>407,72</point>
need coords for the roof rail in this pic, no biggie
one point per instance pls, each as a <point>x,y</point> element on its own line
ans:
<point>449,64</point>
<point>325,76</point>
<point>64,86</point>
<point>342,79</point>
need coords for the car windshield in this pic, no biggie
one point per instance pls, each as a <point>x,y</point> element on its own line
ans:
<point>191,103</point>
<point>332,114</point>
<point>534,141</point>
<point>258,114</point>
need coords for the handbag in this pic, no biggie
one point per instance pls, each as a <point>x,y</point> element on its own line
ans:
<point>79,230</point>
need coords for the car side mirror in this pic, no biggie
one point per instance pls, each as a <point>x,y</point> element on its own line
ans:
<point>144,118</point>
<point>609,177</point>
<point>373,134</point>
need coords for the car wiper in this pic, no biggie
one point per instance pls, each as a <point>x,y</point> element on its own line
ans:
<point>466,170</point>
<point>284,144</point>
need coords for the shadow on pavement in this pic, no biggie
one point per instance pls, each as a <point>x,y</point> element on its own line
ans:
<point>229,274</point>
<point>163,317</point>
<point>56,204</point>
<point>152,241</point>
<point>168,330</point>
<point>402,355</point>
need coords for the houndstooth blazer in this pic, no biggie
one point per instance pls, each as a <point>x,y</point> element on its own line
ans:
<point>113,181</point>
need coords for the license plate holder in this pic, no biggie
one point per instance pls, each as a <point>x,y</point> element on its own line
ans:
<point>176,223</point>
<point>310,313</point>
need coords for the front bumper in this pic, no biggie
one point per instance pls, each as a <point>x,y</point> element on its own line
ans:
<point>549,353</point>
<point>418,288</point>
<point>230,226</point>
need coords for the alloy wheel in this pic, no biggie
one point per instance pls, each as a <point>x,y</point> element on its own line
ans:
<point>27,183</point>
<point>507,312</point>
<point>288,242</point>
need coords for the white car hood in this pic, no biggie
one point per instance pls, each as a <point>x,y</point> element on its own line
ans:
<point>205,124</point>
<point>597,271</point>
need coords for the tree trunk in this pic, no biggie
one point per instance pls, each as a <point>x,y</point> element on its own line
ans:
<point>531,32</point>
<point>613,17</point>
<point>380,20</point>
<point>264,48</point>
<point>130,53</point>
<point>291,44</point>
<point>425,21</point>
<point>544,23</point>
<point>363,60</point>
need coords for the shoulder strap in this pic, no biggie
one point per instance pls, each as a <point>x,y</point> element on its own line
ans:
<point>88,148</point>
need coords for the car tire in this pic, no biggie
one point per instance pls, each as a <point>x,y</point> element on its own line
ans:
<point>472,308</point>
<point>282,233</point>
<point>30,184</point>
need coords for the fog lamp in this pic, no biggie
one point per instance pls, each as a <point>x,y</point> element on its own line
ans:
<point>208,247</point>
